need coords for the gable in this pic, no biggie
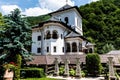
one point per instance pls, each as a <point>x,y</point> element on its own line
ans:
<point>72,34</point>
<point>75,8</point>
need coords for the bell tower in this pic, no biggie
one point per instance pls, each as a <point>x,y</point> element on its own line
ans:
<point>70,15</point>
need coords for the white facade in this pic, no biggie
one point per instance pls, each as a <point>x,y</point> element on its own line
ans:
<point>60,35</point>
<point>50,43</point>
<point>74,19</point>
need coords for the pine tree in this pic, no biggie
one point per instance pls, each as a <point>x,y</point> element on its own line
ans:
<point>15,39</point>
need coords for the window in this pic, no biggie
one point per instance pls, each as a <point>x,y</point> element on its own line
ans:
<point>90,50</point>
<point>74,47</point>
<point>47,49</point>
<point>55,34</point>
<point>48,35</point>
<point>78,22</point>
<point>61,36</point>
<point>38,50</point>
<point>54,48</point>
<point>66,20</point>
<point>67,47</point>
<point>63,49</point>
<point>39,38</point>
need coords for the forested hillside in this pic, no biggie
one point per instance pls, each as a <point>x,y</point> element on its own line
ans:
<point>35,20</point>
<point>101,24</point>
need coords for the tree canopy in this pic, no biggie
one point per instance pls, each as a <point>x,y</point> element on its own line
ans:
<point>15,38</point>
<point>33,20</point>
<point>101,22</point>
<point>93,64</point>
<point>1,21</point>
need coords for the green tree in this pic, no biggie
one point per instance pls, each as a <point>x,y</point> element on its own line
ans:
<point>107,48</point>
<point>93,64</point>
<point>33,20</point>
<point>15,39</point>
<point>1,21</point>
<point>101,22</point>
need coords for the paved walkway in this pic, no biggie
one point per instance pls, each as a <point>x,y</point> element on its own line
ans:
<point>70,78</point>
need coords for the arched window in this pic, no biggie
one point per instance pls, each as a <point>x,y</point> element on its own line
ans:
<point>66,20</point>
<point>55,34</point>
<point>90,50</point>
<point>74,47</point>
<point>48,35</point>
<point>67,47</point>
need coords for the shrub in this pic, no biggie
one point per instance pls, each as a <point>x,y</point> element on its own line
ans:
<point>2,70</point>
<point>83,73</point>
<point>18,59</point>
<point>32,73</point>
<point>93,64</point>
<point>72,72</point>
<point>61,70</point>
<point>117,76</point>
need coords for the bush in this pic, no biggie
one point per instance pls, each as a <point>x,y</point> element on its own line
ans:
<point>93,64</point>
<point>32,73</point>
<point>117,76</point>
<point>2,70</point>
<point>83,73</point>
<point>18,59</point>
<point>72,72</point>
<point>61,70</point>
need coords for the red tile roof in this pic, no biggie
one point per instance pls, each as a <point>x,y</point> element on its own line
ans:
<point>49,59</point>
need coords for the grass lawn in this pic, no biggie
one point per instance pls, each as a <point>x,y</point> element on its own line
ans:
<point>40,79</point>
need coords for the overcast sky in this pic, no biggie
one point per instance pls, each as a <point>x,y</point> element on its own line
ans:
<point>37,7</point>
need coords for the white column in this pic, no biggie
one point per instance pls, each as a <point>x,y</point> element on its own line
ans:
<point>78,68</point>
<point>77,46</point>
<point>42,42</point>
<point>56,67</point>
<point>111,69</point>
<point>66,67</point>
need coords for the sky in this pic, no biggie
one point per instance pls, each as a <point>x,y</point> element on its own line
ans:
<point>37,7</point>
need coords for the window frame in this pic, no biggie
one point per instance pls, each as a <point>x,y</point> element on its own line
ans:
<point>54,49</point>
<point>48,35</point>
<point>47,48</point>
<point>39,50</point>
<point>66,19</point>
<point>39,38</point>
<point>55,34</point>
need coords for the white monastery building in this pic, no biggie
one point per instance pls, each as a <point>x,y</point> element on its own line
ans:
<point>61,34</point>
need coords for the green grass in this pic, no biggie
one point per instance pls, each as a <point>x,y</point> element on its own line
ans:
<point>40,79</point>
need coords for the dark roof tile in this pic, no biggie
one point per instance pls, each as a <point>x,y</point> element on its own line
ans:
<point>49,59</point>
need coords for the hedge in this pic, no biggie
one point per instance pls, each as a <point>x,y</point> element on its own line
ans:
<point>32,73</point>
<point>93,64</point>
<point>2,70</point>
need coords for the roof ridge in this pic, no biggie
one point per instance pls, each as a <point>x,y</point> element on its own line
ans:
<point>64,7</point>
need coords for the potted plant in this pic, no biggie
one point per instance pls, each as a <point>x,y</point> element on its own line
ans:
<point>9,70</point>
